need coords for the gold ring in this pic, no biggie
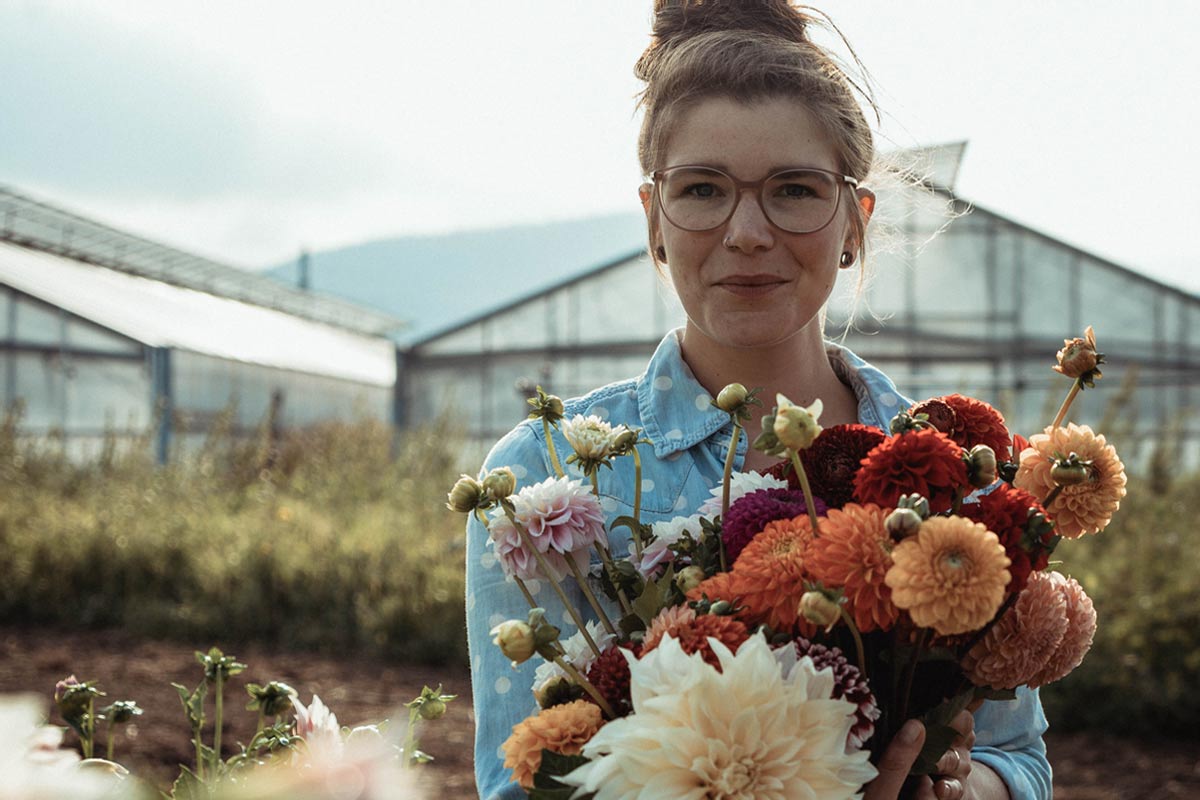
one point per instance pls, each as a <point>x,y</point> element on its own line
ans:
<point>957,762</point>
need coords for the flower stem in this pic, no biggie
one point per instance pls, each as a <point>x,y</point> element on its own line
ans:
<point>910,671</point>
<point>89,742</point>
<point>219,713</point>
<point>558,470</point>
<point>725,481</point>
<point>591,597</point>
<point>858,643</point>
<point>808,495</point>
<point>410,738</point>
<point>587,685</point>
<point>525,591</point>
<point>605,556</point>
<point>1050,498</point>
<point>262,718</point>
<point>548,575</point>
<point>637,502</point>
<point>109,749</point>
<point>1062,411</point>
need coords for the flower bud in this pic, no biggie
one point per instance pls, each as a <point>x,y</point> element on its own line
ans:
<point>1071,471</point>
<point>689,578</point>
<point>938,413</point>
<point>465,496</point>
<point>623,443</point>
<point>546,406</point>
<point>819,609</point>
<point>981,466</point>
<point>731,397</point>
<point>1078,358</point>
<point>433,708</point>
<point>121,712</point>
<point>902,523</point>
<point>916,502</point>
<point>721,608</point>
<point>500,483</point>
<point>556,691</point>
<point>795,426</point>
<point>515,639</point>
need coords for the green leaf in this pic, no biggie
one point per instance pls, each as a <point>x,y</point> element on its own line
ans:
<point>546,785</point>
<point>656,595</point>
<point>188,786</point>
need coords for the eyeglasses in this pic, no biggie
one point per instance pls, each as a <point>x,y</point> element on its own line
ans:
<point>698,198</point>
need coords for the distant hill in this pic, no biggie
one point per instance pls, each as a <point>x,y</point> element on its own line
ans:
<point>437,281</point>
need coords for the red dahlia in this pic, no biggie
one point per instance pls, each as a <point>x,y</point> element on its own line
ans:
<point>971,422</point>
<point>832,462</point>
<point>610,675</point>
<point>1005,512</point>
<point>926,462</point>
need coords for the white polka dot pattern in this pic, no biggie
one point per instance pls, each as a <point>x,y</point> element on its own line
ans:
<point>487,560</point>
<point>675,434</point>
<point>471,602</point>
<point>663,383</point>
<point>647,485</point>
<point>495,619</point>
<point>519,471</point>
<point>703,402</point>
<point>888,399</point>
<point>503,684</point>
<point>681,503</point>
<point>601,412</point>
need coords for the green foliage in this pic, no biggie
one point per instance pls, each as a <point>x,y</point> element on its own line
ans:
<point>331,538</point>
<point>1143,669</point>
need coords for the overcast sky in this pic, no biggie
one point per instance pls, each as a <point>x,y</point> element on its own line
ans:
<point>247,130</point>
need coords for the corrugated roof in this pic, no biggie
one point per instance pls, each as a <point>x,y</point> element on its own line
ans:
<point>160,314</point>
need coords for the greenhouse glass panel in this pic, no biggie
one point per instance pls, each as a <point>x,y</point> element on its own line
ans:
<point>1047,289</point>
<point>85,336</point>
<point>1129,322</point>
<point>40,383</point>
<point>108,395</point>
<point>38,324</point>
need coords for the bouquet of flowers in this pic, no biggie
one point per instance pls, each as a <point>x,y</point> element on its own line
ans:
<point>773,642</point>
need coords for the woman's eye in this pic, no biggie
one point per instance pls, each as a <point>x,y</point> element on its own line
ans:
<point>796,190</point>
<point>700,190</point>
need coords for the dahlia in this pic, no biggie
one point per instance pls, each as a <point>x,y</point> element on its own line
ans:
<point>832,461</point>
<point>750,514</point>
<point>563,520</point>
<point>577,652</point>
<point>697,636</point>
<point>1081,627</point>
<point>1005,512</point>
<point>609,673</point>
<point>740,485</point>
<point>666,533</point>
<point>924,462</point>
<point>563,729</point>
<point>667,622</point>
<point>750,730</point>
<point>1018,646</point>
<point>849,684</point>
<point>768,578</point>
<point>950,576</point>
<point>591,438</point>
<point>853,553</point>
<point>1086,507</point>
<point>970,422</point>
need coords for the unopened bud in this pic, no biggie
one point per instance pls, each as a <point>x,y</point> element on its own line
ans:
<point>556,691</point>
<point>819,609</point>
<point>731,397</point>
<point>624,442</point>
<point>902,523</point>
<point>937,413</point>
<point>981,466</point>
<point>689,578</point>
<point>796,427</point>
<point>1079,359</point>
<point>916,502</point>
<point>546,406</point>
<point>431,709</point>
<point>721,608</point>
<point>515,639</point>
<point>1071,471</point>
<point>500,483</point>
<point>465,496</point>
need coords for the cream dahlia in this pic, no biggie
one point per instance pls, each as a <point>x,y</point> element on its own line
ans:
<point>752,731</point>
<point>592,439</point>
<point>950,576</point>
<point>1086,507</point>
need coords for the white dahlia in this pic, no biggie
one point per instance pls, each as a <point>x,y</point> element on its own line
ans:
<point>756,730</point>
<point>740,485</point>
<point>592,438</point>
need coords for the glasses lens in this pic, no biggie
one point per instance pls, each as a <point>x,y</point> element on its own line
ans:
<point>697,199</point>
<point>801,200</point>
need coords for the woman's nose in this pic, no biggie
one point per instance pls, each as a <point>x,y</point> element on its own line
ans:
<point>748,228</point>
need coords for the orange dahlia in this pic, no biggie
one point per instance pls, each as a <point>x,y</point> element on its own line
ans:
<point>669,622</point>
<point>926,462</point>
<point>693,637</point>
<point>1086,507</point>
<point>950,576</point>
<point>1018,646</point>
<point>563,729</point>
<point>1081,627</point>
<point>768,578</point>
<point>970,422</point>
<point>853,553</point>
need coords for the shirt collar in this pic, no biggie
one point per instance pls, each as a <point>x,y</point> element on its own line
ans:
<point>677,412</point>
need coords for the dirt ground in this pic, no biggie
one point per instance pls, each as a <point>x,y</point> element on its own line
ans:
<point>1086,766</point>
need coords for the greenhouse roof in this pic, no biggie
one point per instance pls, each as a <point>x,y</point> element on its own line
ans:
<point>160,314</point>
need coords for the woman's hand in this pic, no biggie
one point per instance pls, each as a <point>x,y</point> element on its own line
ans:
<point>953,781</point>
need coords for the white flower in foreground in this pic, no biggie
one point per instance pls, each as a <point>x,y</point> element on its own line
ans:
<point>750,732</point>
<point>591,438</point>
<point>318,726</point>
<point>740,485</point>
<point>563,520</point>
<point>666,533</point>
<point>34,767</point>
<point>578,654</point>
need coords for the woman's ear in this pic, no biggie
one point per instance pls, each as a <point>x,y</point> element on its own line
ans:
<point>866,202</point>
<point>644,194</point>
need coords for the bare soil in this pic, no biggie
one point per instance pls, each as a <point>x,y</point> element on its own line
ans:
<point>1091,766</point>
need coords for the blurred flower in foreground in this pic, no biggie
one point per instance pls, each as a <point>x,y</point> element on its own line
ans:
<point>318,726</point>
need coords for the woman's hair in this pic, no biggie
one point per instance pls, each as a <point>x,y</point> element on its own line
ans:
<point>749,50</point>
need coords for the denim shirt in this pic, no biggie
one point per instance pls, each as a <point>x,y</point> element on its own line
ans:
<point>685,460</point>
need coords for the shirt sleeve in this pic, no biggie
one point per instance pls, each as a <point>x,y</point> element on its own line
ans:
<point>1009,740</point>
<point>502,695</point>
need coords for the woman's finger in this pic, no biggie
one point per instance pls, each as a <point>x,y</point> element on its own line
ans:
<point>897,760</point>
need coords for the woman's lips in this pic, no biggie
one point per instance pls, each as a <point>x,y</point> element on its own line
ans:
<point>751,285</point>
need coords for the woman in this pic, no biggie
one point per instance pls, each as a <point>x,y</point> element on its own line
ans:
<point>757,154</point>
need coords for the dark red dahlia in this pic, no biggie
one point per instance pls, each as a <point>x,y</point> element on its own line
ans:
<point>610,675</point>
<point>926,462</point>
<point>1005,512</point>
<point>832,462</point>
<point>749,514</point>
<point>849,683</point>
<point>967,421</point>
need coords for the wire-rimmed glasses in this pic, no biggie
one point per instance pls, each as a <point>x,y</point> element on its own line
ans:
<point>799,200</point>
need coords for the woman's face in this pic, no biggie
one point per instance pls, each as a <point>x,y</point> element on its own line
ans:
<point>748,283</point>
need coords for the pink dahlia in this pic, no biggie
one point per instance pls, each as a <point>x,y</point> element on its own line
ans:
<point>750,514</point>
<point>1016,649</point>
<point>1081,627</point>
<point>563,520</point>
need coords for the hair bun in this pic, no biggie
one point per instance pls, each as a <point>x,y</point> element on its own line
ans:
<point>677,20</point>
